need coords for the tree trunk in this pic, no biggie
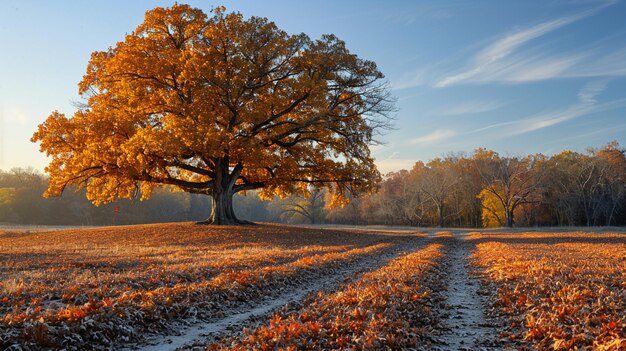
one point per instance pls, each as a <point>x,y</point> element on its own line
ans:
<point>440,216</point>
<point>509,219</point>
<point>222,211</point>
<point>611,214</point>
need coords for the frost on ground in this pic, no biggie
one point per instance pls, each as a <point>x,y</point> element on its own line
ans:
<point>556,291</point>
<point>386,308</point>
<point>108,287</point>
<point>465,324</point>
<point>169,286</point>
<point>256,312</point>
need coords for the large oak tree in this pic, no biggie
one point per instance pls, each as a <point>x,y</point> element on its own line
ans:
<point>217,105</point>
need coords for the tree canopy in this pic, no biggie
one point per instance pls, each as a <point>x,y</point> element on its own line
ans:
<point>216,105</point>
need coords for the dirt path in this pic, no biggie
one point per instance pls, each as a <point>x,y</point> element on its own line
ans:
<point>256,312</point>
<point>465,324</point>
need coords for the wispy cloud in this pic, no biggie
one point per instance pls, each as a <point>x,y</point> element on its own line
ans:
<point>489,63</point>
<point>532,67</point>
<point>386,160</point>
<point>586,137</point>
<point>412,79</point>
<point>588,94</point>
<point>549,119</point>
<point>525,68</point>
<point>471,107</point>
<point>587,104</point>
<point>516,58</point>
<point>611,64</point>
<point>434,137</point>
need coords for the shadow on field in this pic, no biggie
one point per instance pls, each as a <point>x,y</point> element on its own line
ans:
<point>117,249</point>
<point>550,240</point>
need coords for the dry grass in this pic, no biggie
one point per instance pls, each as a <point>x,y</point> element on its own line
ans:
<point>386,309</point>
<point>557,291</point>
<point>117,283</point>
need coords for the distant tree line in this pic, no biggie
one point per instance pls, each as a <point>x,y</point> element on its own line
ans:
<point>483,189</point>
<point>21,202</point>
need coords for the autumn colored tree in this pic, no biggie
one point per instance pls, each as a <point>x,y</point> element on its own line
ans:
<point>7,199</point>
<point>352,213</point>
<point>613,159</point>
<point>466,201</point>
<point>218,105</point>
<point>493,212</point>
<point>508,182</point>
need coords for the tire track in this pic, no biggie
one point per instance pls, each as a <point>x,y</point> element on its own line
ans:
<point>253,313</point>
<point>466,326</point>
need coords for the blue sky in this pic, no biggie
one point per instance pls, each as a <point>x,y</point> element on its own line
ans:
<point>518,77</point>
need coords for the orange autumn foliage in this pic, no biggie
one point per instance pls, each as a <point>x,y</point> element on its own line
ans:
<point>385,309</point>
<point>218,105</point>
<point>558,291</point>
<point>90,289</point>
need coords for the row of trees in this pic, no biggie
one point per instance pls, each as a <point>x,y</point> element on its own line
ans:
<point>483,189</point>
<point>21,202</point>
<point>487,189</point>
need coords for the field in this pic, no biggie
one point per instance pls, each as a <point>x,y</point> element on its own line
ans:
<point>557,291</point>
<point>273,287</point>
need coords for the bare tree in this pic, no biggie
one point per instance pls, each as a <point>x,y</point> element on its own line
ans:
<point>614,162</point>
<point>309,207</point>
<point>438,182</point>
